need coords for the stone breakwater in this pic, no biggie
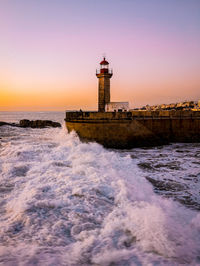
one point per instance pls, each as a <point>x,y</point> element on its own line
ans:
<point>135,128</point>
<point>32,123</point>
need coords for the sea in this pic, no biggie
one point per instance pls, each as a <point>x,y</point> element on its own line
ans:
<point>65,202</point>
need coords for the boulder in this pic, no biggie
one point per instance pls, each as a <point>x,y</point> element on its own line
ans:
<point>8,124</point>
<point>38,123</point>
<point>3,123</point>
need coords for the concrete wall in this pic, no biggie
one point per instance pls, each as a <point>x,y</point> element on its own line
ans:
<point>133,129</point>
<point>133,114</point>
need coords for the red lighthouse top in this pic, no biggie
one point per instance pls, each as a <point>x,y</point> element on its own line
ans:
<point>104,62</point>
<point>104,68</point>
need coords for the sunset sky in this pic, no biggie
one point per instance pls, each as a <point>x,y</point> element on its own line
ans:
<point>50,49</point>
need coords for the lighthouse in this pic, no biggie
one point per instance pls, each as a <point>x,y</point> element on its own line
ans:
<point>104,75</point>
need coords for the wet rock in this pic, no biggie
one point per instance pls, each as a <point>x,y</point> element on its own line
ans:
<point>189,202</point>
<point>146,166</point>
<point>170,165</point>
<point>32,123</point>
<point>166,185</point>
<point>38,123</point>
<point>3,123</point>
<point>8,124</point>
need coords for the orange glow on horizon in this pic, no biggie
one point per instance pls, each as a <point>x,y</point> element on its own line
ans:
<point>50,51</point>
<point>16,100</point>
<point>86,97</point>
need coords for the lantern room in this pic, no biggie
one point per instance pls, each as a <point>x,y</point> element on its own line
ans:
<point>104,67</point>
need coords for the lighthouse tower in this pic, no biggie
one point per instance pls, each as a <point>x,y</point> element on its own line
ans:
<point>104,75</point>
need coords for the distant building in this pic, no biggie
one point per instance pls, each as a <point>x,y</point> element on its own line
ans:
<point>117,107</point>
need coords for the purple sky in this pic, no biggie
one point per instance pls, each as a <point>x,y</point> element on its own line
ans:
<point>50,50</point>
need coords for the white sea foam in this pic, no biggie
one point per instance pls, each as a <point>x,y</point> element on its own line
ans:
<point>64,202</point>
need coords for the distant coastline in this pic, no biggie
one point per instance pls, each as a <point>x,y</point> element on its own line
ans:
<point>186,105</point>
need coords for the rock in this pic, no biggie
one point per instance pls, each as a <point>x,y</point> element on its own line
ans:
<point>24,123</point>
<point>3,123</point>
<point>32,123</point>
<point>38,123</point>
<point>8,124</point>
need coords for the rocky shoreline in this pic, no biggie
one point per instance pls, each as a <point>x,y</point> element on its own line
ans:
<point>32,123</point>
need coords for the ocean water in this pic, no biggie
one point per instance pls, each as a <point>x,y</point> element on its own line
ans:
<point>64,202</point>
